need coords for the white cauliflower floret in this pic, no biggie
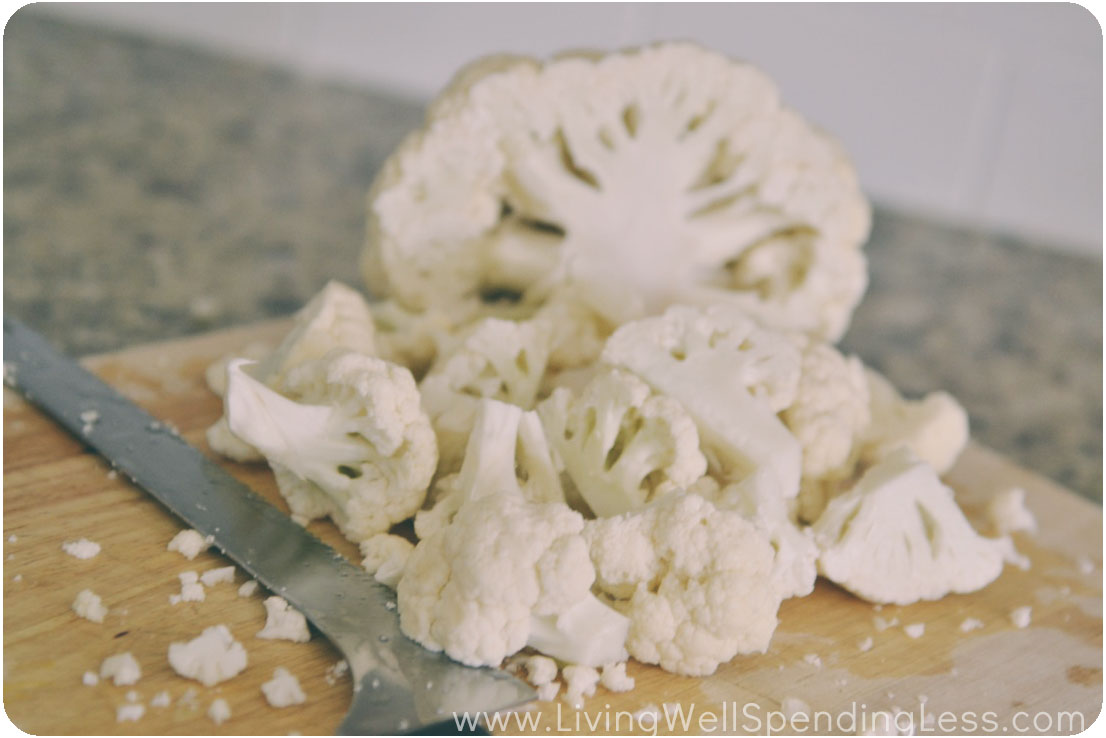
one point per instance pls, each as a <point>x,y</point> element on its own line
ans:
<point>503,564</point>
<point>121,668</point>
<point>283,689</point>
<point>350,440</point>
<point>1008,513</point>
<point>337,317</point>
<point>640,178</point>
<point>696,582</point>
<point>506,451</point>
<point>385,556</point>
<point>580,682</point>
<point>828,416</point>
<point>540,669</point>
<point>474,588</point>
<point>731,377</point>
<point>283,622</point>
<point>621,443</point>
<point>497,359</point>
<point>934,428</point>
<point>898,537</point>
<point>89,606</point>
<point>615,679</point>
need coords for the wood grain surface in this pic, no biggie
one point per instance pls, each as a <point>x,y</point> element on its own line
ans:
<point>56,491</point>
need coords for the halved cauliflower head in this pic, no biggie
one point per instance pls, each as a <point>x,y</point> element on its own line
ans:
<point>621,443</point>
<point>348,439</point>
<point>696,582</point>
<point>898,536</point>
<point>732,377</point>
<point>638,179</point>
<point>497,359</point>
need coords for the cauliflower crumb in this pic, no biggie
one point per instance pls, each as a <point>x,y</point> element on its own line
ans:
<point>814,660</point>
<point>13,538</point>
<point>81,548</point>
<point>211,577</point>
<point>112,474</point>
<point>1086,566</point>
<point>1008,513</point>
<point>866,644</point>
<point>161,699</point>
<point>90,679</point>
<point>89,418</point>
<point>915,630</point>
<point>190,589</point>
<point>338,670</point>
<point>132,695</point>
<point>219,712</point>
<point>970,624</point>
<point>614,678</point>
<point>882,624</point>
<point>649,712</point>
<point>121,669</point>
<point>540,670</point>
<point>548,692</point>
<point>792,706</point>
<point>283,689</point>
<point>248,588</point>
<point>132,711</point>
<point>209,658</point>
<point>1020,616</point>
<point>283,622</point>
<point>580,682</point>
<point>189,543</point>
<point>89,606</point>
<point>17,578</point>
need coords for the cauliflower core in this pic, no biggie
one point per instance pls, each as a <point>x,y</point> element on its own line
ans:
<point>350,440</point>
<point>634,180</point>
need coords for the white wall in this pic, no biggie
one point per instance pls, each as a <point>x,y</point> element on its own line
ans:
<point>989,114</point>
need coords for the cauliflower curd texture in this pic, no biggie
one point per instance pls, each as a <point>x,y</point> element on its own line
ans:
<point>596,410</point>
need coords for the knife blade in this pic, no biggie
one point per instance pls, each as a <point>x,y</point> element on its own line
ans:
<point>398,686</point>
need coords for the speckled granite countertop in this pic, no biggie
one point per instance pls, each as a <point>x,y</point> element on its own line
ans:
<point>151,191</point>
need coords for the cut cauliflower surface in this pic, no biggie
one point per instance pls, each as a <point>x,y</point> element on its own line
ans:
<point>695,581</point>
<point>640,178</point>
<point>934,428</point>
<point>732,377</point>
<point>621,443</point>
<point>498,359</point>
<point>350,440</point>
<point>898,537</point>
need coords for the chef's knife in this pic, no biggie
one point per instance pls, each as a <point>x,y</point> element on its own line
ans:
<point>398,686</point>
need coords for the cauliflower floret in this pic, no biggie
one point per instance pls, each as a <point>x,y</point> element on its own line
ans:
<point>336,317</point>
<point>828,416</point>
<point>621,443</point>
<point>475,587</point>
<point>898,537</point>
<point>731,377</point>
<point>498,359</point>
<point>639,178</point>
<point>385,556</point>
<point>935,427</point>
<point>283,622</point>
<point>696,582</point>
<point>506,451</point>
<point>502,564</point>
<point>350,440</point>
<point>1008,513</point>
<point>209,658</point>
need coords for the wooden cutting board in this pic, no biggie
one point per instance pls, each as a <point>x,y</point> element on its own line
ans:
<point>55,491</point>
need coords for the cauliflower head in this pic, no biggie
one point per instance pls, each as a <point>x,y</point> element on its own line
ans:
<point>348,439</point>
<point>731,376</point>
<point>695,581</point>
<point>621,443</point>
<point>638,179</point>
<point>898,536</point>
<point>498,359</point>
